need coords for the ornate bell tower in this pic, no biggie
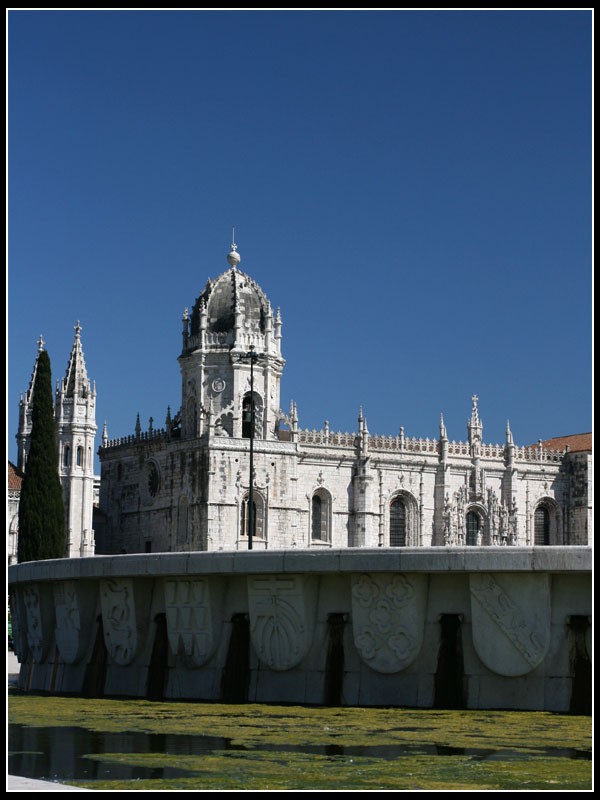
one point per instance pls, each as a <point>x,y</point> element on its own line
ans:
<point>231,353</point>
<point>75,416</point>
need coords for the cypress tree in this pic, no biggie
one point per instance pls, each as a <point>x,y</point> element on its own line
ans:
<point>41,509</point>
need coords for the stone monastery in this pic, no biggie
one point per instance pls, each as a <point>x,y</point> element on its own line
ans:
<point>187,487</point>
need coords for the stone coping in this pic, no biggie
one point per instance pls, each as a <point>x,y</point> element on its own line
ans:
<point>347,560</point>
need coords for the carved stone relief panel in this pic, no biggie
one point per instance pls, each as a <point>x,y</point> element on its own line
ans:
<point>282,618</point>
<point>192,610</point>
<point>119,619</point>
<point>75,605</point>
<point>39,612</point>
<point>19,624</point>
<point>511,620</point>
<point>388,617</point>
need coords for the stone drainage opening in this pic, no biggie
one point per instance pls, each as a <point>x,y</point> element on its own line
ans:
<point>581,666</point>
<point>334,665</point>
<point>450,674</point>
<point>159,660</point>
<point>95,673</point>
<point>235,680</point>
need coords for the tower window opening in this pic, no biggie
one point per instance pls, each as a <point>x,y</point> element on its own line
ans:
<point>247,418</point>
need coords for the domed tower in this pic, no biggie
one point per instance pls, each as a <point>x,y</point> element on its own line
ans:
<point>230,341</point>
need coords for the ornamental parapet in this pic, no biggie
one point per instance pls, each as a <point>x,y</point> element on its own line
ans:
<point>406,444</point>
<point>144,436</point>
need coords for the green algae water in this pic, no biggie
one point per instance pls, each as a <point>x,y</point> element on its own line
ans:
<point>140,745</point>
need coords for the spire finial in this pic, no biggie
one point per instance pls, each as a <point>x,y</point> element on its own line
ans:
<point>41,343</point>
<point>234,257</point>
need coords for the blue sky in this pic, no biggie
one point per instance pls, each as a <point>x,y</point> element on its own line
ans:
<point>412,189</point>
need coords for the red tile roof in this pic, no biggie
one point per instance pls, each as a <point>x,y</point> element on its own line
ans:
<point>15,476</point>
<point>576,442</point>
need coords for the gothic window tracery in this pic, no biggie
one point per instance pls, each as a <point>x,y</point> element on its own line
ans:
<point>398,519</point>
<point>473,525</point>
<point>541,526</point>
<point>258,526</point>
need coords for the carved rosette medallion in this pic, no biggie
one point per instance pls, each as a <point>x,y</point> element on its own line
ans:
<point>511,621</point>
<point>119,619</point>
<point>190,619</point>
<point>40,622</point>
<point>282,611</point>
<point>388,617</point>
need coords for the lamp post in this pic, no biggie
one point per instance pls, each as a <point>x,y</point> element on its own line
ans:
<point>254,358</point>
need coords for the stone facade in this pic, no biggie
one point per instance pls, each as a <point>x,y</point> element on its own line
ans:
<point>187,486</point>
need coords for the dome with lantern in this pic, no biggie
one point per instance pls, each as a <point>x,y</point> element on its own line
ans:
<point>230,294</point>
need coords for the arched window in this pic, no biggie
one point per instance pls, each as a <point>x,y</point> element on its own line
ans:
<point>247,417</point>
<point>398,523</point>
<point>79,461</point>
<point>67,456</point>
<point>320,516</point>
<point>541,526</point>
<point>473,528</point>
<point>258,516</point>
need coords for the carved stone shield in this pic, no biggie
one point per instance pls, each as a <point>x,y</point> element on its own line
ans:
<point>39,612</point>
<point>511,620</point>
<point>282,616</point>
<point>119,619</point>
<point>75,604</point>
<point>190,610</point>
<point>388,617</point>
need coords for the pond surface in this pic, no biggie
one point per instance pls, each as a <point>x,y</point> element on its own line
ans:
<point>120,744</point>
<point>65,754</point>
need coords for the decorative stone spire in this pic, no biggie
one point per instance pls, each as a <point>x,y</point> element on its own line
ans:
<point>25,412</point>
<point>443,434</point>
<point>475,428</point>
<point>510,447</point>
<point>185,322</point>
<point>509,436</point>
<point>104,435</point>
<point>76,382</point>
<point>443,444</point>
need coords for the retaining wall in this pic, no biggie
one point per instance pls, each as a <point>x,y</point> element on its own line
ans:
<point>490,627</point>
